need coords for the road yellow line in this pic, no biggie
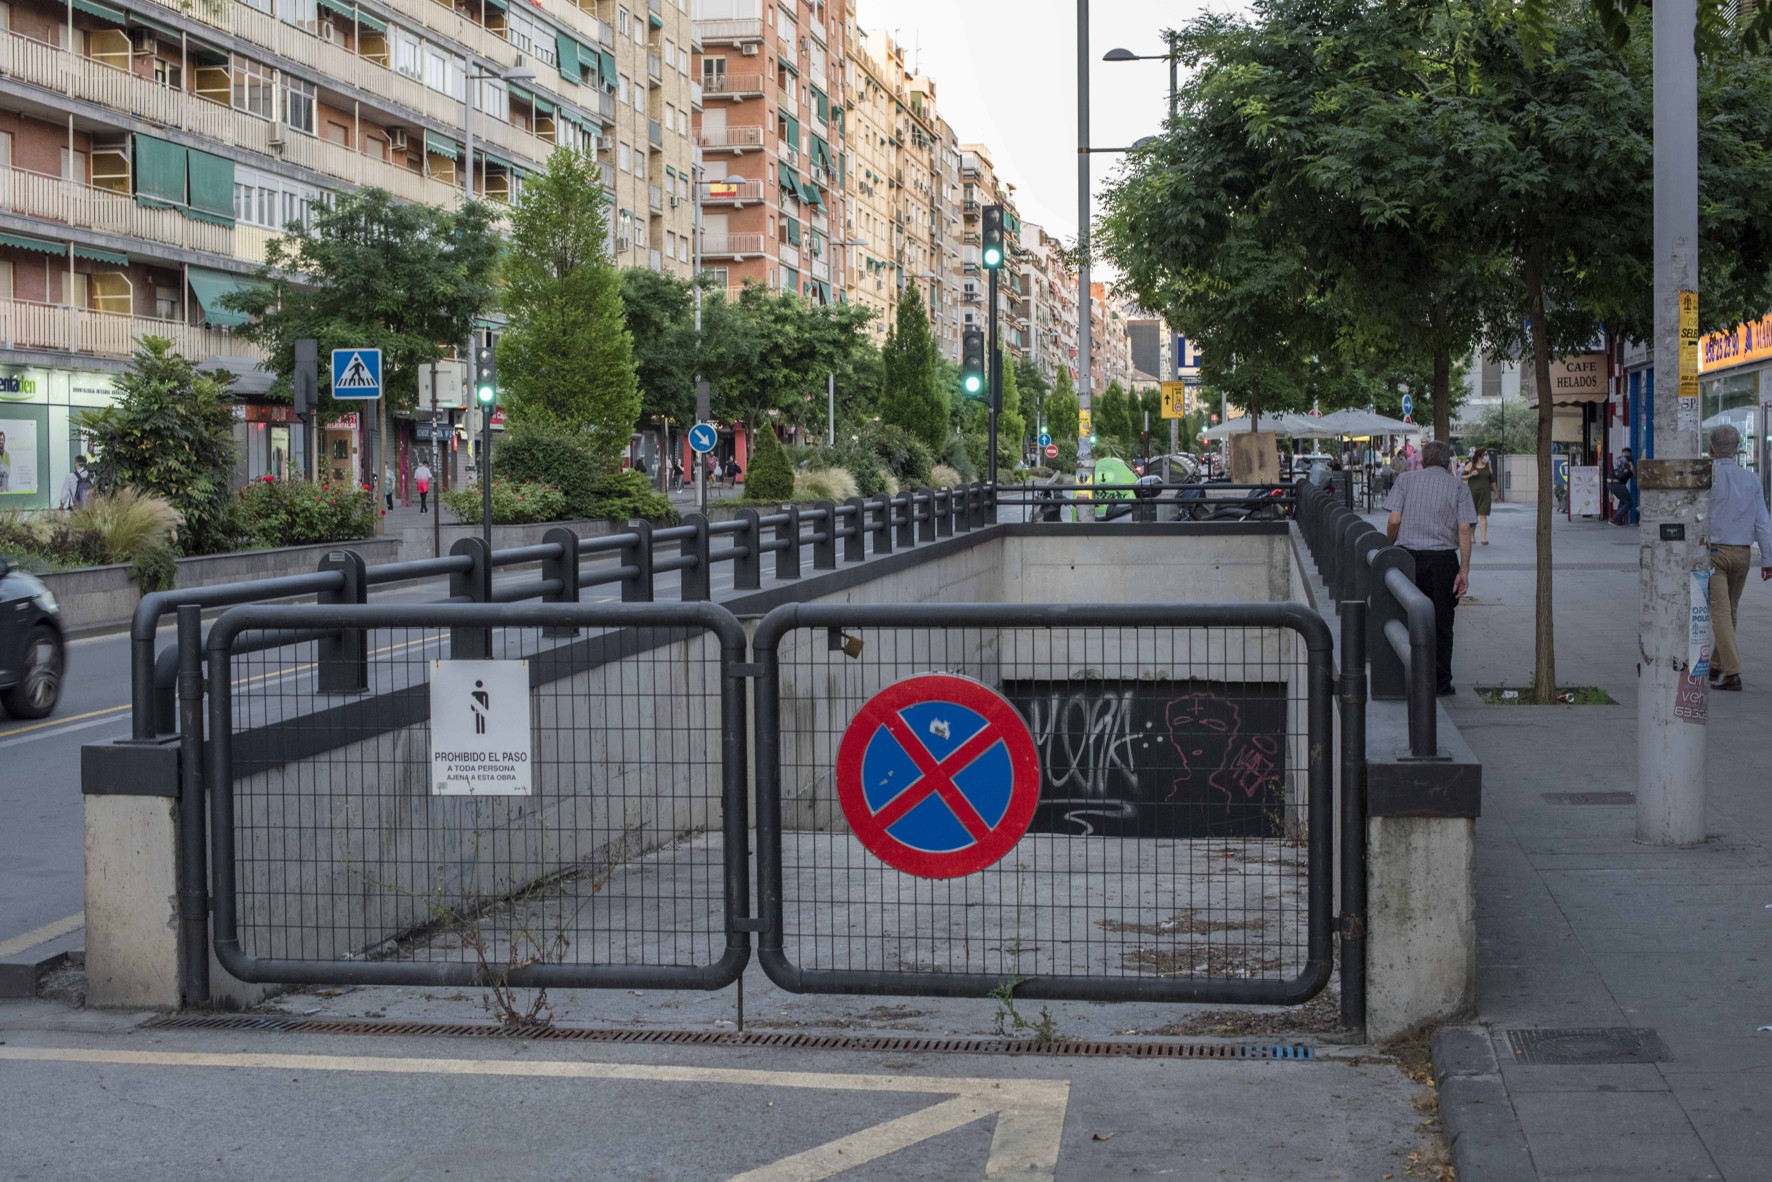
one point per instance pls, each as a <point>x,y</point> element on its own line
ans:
<point>1030,1112</point>
<point>63,721</point>
<point>42,935</point>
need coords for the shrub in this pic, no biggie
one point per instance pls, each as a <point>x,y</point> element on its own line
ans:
<point>770,478</point>
<point>905,456</point>
<point>825,484</point>
<point>135,528</point>
<point>295,513</point>
<point>627,495</point>
<point>546,453</point>
<point>944,477</point>
<point>512,504</point>
<point>43,540</point>
<point>958,456</point>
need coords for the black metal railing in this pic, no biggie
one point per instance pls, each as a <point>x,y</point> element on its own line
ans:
<point>569,564</point>
<point>1358,564</point>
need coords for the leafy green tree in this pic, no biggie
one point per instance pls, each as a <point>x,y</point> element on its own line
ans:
<point>1062,415</point>
<point>1012,425</point>
<point>369,270</point>
<point>770,478</point>
<point>659,311</point>
<point>567,356</point>
<point>909,395</point>
<point>774,351</point>
<point>170,433</point>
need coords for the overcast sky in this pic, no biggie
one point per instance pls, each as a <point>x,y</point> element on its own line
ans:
<point>1006,76</point>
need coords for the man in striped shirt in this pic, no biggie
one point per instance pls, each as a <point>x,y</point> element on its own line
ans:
<point>1434,519</point>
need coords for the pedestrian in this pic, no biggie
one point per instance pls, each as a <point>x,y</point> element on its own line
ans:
<point>387,485</point>
<point>1624,474</point>
<point>1433,517</point>
<point>733,472</point>
<point>76,485</point>
<point>1738,517</point>
<point>1411,458</point>
<point>421,476</point>
<point>1480,478</point>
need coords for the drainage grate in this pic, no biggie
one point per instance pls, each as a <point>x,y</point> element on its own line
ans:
<point>1590,797</point>
<point>1595,1046</point>
<point>268,1024</point>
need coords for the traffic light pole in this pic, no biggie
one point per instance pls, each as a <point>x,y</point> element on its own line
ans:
<point>993,388</point>
<point>486,474</point>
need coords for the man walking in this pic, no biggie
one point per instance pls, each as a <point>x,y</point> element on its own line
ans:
<point>1738,517</point>
<point>1434,519</point>
<point>1624,470</point>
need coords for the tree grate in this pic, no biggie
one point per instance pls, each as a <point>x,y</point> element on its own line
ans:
<point>1587,1046</point>
<point>279,1024</point>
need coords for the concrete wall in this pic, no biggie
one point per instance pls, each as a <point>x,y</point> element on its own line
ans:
<point>419,541</point>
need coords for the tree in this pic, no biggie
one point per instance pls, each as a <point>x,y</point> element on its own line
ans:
<point>770,478</point>
<point>1012,425</point>
<point>1062,415</point>
<point>774,351</point>
<point>171,433</point>
<point>567,356</point>
<point>372,271</point>
<point>1108,417</point>
<point>909,395</point>
<point>659,311</point>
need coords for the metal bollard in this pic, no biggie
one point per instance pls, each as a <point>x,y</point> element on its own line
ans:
<point>855,536</point>
<point>747,568</point>
<point>906,522</point>
<point>787,535</point>
<point>564,567</point>
<point>473,585</point>
<point>343,656</point>
<point>637,553</point>
<point>882,529</point>
<point>824,540</point>
<point>697,584</point>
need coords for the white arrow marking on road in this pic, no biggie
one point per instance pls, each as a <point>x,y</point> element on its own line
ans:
<point>1030,1112</point>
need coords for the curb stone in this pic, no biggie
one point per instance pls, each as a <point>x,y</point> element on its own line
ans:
<point>1481,1126</point>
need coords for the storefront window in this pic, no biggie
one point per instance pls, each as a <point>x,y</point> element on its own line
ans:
<point>1734,399</point>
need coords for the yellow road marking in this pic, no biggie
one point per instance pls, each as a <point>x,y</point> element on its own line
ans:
<point>42,935</point>
<point>64,721</point>
<point>1030,1112</point>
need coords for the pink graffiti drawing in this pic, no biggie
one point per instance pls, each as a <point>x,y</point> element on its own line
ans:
<point>1199,722</point>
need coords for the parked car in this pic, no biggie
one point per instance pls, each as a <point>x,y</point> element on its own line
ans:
<point>33,655</point>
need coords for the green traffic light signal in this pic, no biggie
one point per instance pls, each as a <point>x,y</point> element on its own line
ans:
<point>974,383</point>
<point>486,375</point>
<point>993,236</point>
<point>972,361</point>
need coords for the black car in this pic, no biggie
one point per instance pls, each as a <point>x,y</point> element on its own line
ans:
<point>32,655</point>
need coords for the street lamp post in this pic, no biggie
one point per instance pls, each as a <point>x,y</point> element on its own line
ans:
<point>1126,55</point>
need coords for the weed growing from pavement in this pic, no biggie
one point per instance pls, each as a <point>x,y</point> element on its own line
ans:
<point>1527,695</point>
<point>1009,1021</point>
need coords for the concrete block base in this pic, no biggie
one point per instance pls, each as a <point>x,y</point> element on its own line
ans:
<point>1421,929</point>
<point>132,901</point>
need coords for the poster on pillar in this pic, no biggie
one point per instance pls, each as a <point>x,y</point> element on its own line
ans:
<point>18,456</point>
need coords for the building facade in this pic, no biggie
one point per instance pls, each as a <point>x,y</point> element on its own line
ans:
<point>981,186</point>
<point>149,152</point>
<point>1110,344</point>
<point>868,112</point>
<point>772,144</point>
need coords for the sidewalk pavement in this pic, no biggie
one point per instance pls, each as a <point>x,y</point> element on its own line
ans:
<point>1581,928</point>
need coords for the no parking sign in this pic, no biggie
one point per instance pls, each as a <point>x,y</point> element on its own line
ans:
<point>938,776</point>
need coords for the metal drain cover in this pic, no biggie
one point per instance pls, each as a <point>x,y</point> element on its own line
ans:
<point>1590,797</point>
<point>1593,1046</point>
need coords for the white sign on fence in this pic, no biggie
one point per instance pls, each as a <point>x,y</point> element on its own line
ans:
<point>481,730</point>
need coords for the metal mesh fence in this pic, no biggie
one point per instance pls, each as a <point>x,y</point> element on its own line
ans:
<point>344,852</point>
<point>1171,840</point>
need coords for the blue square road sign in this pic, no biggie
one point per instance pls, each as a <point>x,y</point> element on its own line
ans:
<point>356,373</point>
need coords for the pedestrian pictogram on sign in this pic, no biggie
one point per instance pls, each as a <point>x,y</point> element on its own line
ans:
<point>481,729</point>
<point>356,373</point>
<point>938,776</point>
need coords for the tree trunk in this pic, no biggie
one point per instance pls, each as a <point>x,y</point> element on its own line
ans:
<point>1544,674</point>
<point>382,463</point>
<point>1442,392</point>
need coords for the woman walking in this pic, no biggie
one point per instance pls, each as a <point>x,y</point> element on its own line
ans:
<point>1481,478</point>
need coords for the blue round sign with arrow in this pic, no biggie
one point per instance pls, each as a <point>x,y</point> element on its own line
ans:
<point>1045,439</point>
<point>702,438</point>
<point>1408,405</point>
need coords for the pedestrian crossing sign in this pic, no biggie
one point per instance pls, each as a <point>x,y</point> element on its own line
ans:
<point>356,373</point>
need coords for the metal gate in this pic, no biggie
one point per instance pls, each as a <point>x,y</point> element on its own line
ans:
<point>1182,847</point>
<point>333,862</point>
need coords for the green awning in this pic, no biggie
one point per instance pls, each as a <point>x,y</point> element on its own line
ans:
<point>787,65</point>
<point>657,20</point>
<point>821,154</point>
<point>567,48</point>
<point>793,136</point>
<point>495,161</point>
<point>371,23</point>
<point>501,5</point>
<point>135,18</point>
<point>442,145</point>
<point>810,193</point>
<point>344,8</point>
<point>517,92</point>
<point>607,61</point>
<point>821,103</point>
<point>101,256</point>
<point>823,289</point>
<point>793,229</point>
<point>103,12</point>
<point>209,288</point>
<point>542,105</point>
<point>211,188</point>
<point>23,243</point>
<point>160,173</point>
<point>785,175</point>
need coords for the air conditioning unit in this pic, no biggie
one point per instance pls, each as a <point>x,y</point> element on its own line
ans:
<point>675,201</point>
<point>275,143</point>
<point>623,244</point>
<point>397,139</point>
<point>752,49</point>
<point>328,32</point>
<point>142,41</point>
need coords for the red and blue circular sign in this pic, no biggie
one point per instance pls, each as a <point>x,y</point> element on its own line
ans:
<point>938,776</point>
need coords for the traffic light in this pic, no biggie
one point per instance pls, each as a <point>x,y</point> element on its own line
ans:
<point>972,362</point>
<point>993,236</point>
<point>485,374</point>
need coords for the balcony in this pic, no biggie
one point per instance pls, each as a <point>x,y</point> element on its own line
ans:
<point>80,330</point>
<point>695,95</point>
<point>654,68</point>
<point>733,32</point>
<point>655,134</point>
<point>72,204</point>
<point>731,86</point>
<point>655,198</point>
<point>731,246</point>
<point>732,139</point>
<point>818,33</point>
<point>608,171</point>
<point>736,194</point>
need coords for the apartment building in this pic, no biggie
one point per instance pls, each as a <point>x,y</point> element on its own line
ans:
<point>1050,302</point>
<point>939,209</point>
<point>148,152</point>
<point>869,213</point>
<point>1110,343</point>
<point>981,186</point>
<point>772,141</point>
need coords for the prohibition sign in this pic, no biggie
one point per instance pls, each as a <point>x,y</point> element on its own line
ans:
<point>938,776</point>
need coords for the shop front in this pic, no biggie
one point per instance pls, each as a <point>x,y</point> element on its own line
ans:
<point>1733,389</point>
<point>39,429</point>
<point>268,441</point>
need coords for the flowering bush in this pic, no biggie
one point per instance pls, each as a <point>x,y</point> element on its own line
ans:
<point>295,513</point>
<point>512,504</point>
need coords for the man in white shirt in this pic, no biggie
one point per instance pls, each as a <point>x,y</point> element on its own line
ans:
<point>1434,518</point>
<point>1738,518</point>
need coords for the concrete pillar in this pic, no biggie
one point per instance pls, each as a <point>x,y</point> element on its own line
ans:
<point>132,934</point>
